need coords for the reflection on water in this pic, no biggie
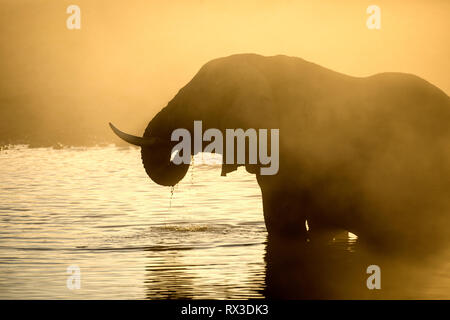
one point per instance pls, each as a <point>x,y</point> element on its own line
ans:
<point>97,209</point>
<point>337,270</point>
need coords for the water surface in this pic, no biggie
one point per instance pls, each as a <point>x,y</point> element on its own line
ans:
<point>132,239</point>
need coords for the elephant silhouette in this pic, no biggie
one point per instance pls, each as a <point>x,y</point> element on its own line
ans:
<point>370,155</point>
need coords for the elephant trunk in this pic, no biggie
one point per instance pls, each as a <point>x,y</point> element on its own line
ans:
<point>156,156</point>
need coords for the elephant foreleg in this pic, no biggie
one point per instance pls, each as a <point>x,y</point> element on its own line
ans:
<point>283,214</point>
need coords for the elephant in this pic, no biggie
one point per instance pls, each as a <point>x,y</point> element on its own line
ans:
<point>369,155</point>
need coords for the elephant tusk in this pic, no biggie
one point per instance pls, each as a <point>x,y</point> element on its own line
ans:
<point>137,141</point>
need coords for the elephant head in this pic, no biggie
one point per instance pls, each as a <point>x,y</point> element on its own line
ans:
<point>223,94</point>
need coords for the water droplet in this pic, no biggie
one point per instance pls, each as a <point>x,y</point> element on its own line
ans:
<point>172,189</point>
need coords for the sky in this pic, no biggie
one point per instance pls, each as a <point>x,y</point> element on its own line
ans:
<point>131,57</point>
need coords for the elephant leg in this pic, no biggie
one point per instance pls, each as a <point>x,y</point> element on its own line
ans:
<point>283,213</point>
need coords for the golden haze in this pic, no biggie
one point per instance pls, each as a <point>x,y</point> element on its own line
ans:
<point>129,59</point>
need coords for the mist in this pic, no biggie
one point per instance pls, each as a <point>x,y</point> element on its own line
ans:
<point>129,59</point>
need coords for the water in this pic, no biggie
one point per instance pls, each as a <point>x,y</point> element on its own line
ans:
<point>132,239</point>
